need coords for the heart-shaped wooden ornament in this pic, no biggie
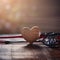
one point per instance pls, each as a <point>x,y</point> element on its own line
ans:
<point>30,35</point>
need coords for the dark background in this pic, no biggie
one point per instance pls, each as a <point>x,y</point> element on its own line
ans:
<point>47,15</point>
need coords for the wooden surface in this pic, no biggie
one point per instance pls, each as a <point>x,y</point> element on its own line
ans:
<point>24,51</point>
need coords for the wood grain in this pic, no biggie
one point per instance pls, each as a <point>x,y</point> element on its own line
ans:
<point>24,51</point>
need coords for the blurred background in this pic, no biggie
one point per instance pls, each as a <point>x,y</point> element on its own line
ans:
<point>15,14</point>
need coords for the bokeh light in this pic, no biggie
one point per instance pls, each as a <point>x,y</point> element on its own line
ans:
<point>17,13</point>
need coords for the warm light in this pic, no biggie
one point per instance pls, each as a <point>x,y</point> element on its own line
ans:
<point>10,14</point>
<point>10,9</point>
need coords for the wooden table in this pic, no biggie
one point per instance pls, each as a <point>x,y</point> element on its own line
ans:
<point>24,51</point>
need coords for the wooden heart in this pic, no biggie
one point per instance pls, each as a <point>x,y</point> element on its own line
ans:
<point>30,35</point>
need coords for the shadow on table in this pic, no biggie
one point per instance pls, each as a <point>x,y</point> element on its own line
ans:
<point>33,46</point>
